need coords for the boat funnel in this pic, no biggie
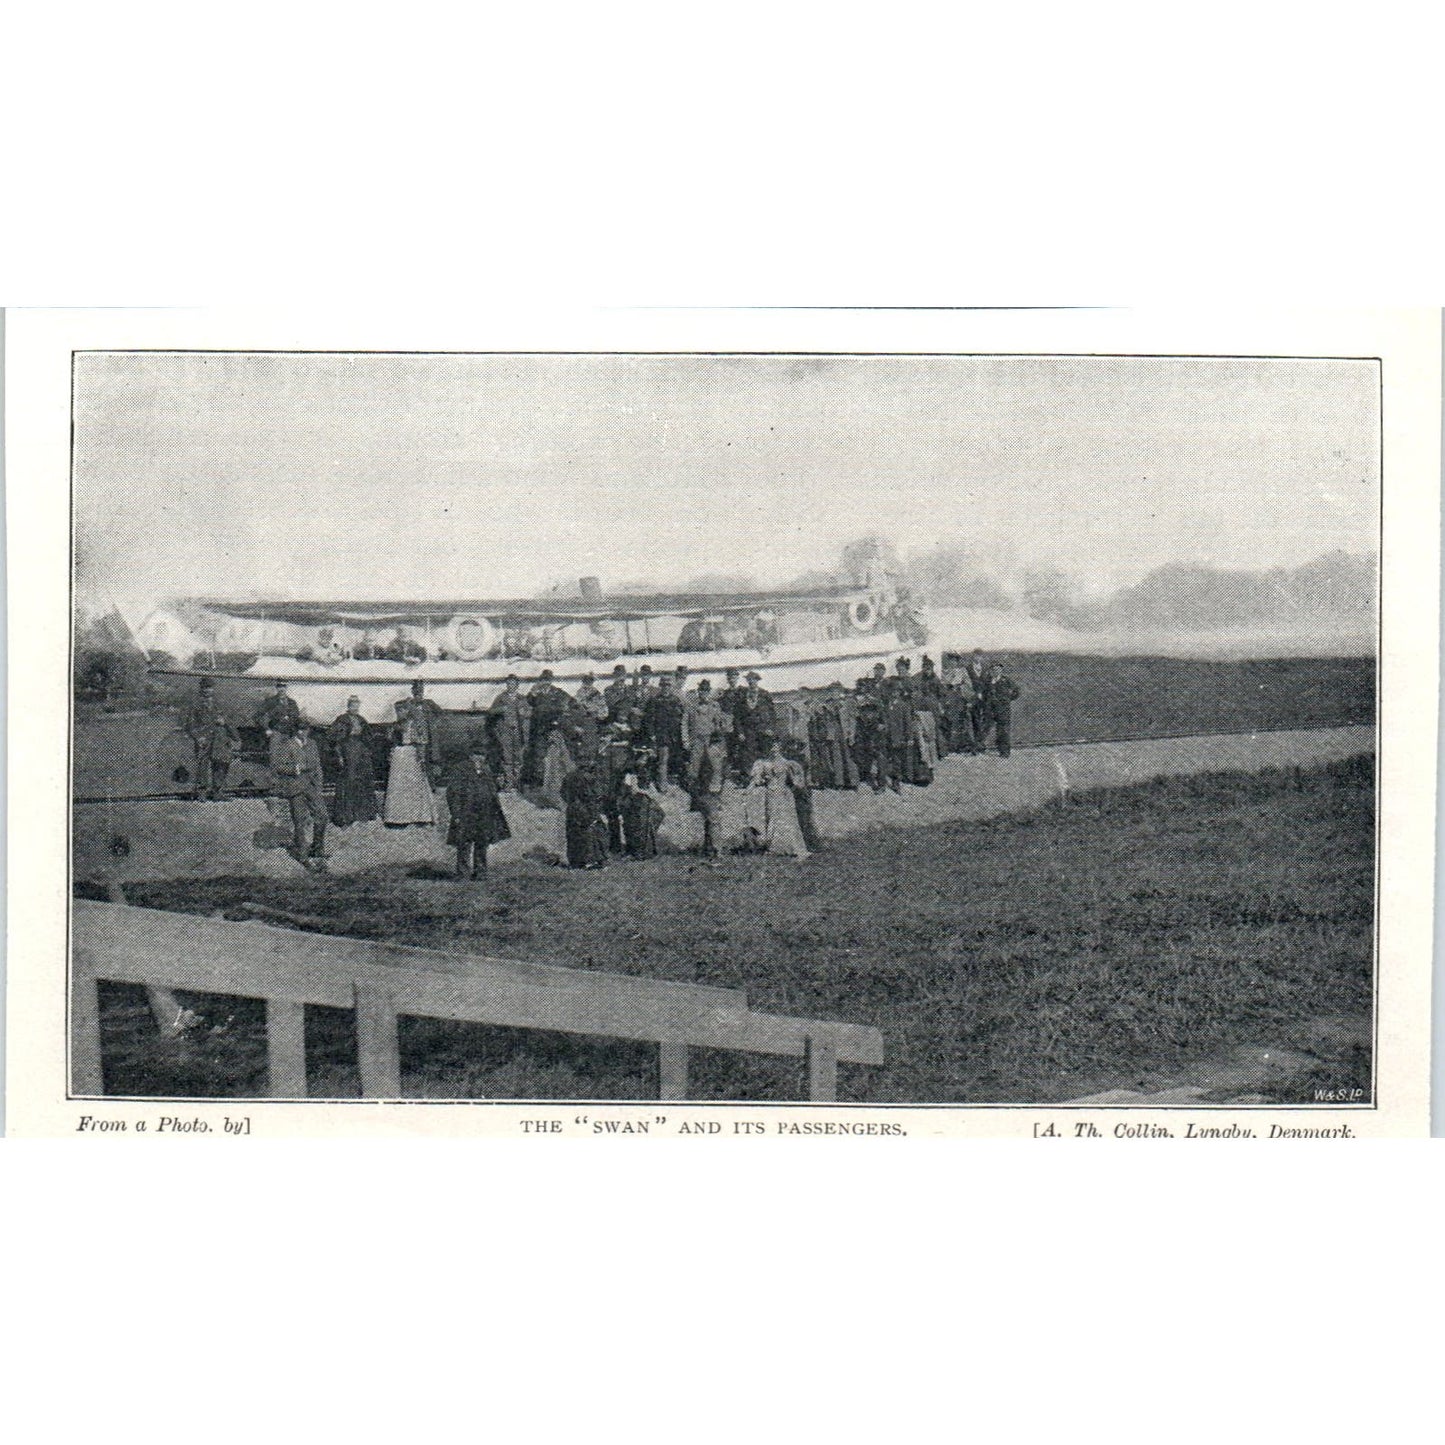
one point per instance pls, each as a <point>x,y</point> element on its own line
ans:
<point>590,588</point>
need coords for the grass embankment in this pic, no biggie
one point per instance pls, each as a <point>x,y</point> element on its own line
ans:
<point>1111,941</point>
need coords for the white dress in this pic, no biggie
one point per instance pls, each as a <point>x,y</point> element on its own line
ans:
<point>770,809</point>
<point>409,798</point>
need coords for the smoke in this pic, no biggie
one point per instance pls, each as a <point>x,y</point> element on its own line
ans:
<point>1337,586</point>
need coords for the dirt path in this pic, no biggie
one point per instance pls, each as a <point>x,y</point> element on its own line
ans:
<point>197,840</point>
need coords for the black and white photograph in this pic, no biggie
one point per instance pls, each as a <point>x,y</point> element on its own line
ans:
<point>968,730</point>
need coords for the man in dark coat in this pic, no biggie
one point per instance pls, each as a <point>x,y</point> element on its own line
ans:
<point>548,703</point>
<point>975,677</point>
<point>279,707</point>
<point>1000,694</point>
<point>662,725</point>
<point>896,757</point>
<point>618,695</point>
<point>216,743</point>
<point>869,742</point>
<point>754,718</point>
<point>477,817</point>
<point>511,719</point>
<point>834,729</point>
<point>729,695</point>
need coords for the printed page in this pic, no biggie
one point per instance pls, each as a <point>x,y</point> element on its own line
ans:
<point>731,724</point>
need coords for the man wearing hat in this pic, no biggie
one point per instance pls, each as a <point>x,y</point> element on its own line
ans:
<point>702,716</point>
<point>296,764</point>
<point>216,743</point>
<point>590,696</point>
<point>511,720</point>
<point>1000,694</point>
<point>618,695</point>
<point>477,819</point>
<point>280,705</point>
<point>662,722</point>
<point>876,684</point>
<point>902,681</point>
<point>548,703</point>
<point>754,718</point>
<point>728,698</point>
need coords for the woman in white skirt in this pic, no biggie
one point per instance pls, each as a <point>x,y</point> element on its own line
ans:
<point>769,808</point>
<point>409,799</point>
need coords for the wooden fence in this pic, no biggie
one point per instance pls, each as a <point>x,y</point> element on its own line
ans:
<point>290,969</point>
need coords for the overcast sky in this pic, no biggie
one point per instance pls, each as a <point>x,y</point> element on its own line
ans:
<point>360,477</point>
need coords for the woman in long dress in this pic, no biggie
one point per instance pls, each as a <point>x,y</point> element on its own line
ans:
<point>770,809</point>
<point>585,827</point>
<point>409,800</point>
<point>557,762</point>
<point>355,799</point>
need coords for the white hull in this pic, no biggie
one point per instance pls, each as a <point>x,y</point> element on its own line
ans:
<point>321,691</point>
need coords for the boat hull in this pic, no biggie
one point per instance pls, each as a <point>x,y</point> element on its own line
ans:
<point>321,690</point>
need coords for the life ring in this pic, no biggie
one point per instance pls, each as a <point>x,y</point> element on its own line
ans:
<point>862,615</point>
<point>469,636</point>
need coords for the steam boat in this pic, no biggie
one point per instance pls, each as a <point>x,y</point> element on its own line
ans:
<point>463,651</point>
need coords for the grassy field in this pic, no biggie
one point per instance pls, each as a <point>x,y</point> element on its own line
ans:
<point>1084,699</point>
<point>1116,941</point>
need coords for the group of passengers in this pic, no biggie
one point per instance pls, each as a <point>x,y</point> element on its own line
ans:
<point>602,754</point>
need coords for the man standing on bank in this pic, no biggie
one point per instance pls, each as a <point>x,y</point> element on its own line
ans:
<point>477,817</point>
<point>512,718</point>
<point>1000,694</point>
<point>663,724</point>
<point>296,764</point>
<point>216,743</point>
<point>975,676</point>
<point>755,720</point>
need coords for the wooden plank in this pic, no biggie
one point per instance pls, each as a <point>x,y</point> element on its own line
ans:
<point>331,959</point>
<point>672,1070</point>
<point>250,959</point>
<point>378,1053</point>
<point>86,1078</point>
<point>285,1049</point>
<point>822,1059</point>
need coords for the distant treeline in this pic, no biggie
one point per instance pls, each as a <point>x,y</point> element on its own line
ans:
<point>1339,586</point>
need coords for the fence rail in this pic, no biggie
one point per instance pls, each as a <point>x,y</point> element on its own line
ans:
<point>380,981</point>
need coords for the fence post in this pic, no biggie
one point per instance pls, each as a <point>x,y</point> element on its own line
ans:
<point>85,1072</point>
<point>378,1054</point>
<point>672,1070</point>
<point>822,1054</point>
<point>164,1008</point>
<point>285,1049</point>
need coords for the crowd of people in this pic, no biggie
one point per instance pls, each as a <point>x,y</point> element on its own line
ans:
<point>604,754</point>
